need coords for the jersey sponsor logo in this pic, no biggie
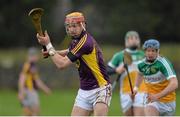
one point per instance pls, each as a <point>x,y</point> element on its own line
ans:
<point>155,78</point>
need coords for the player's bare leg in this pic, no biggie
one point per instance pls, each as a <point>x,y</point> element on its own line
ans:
<point>27,111</point>
<point>35,110</point>
<point>100,109</point>
<point>129,112</point>
<point>138,111</point>
<point>78,111</point>
<point>151,111</point>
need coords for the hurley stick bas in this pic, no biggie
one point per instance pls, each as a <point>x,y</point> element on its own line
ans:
<point>36,14</point>
<point>128,61</point>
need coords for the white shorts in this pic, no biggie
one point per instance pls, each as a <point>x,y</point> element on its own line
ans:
<point>31,98</point>
<point>126,101</point>
<point>165,109</point>
<point>87,99</point>
<point>140,99</point>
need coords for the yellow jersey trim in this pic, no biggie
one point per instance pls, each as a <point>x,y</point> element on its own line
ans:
<point>92,63</point>
<point>79,45</point>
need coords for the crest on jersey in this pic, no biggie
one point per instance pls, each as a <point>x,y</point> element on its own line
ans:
<point>153,70</point>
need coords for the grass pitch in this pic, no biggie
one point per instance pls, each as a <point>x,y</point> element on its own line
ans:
<point>59,103</point>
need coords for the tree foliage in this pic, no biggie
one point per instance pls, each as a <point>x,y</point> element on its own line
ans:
<point>108,21</point>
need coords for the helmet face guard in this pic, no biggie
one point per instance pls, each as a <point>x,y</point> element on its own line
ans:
<point>151,44</point>
<point>74,18</point>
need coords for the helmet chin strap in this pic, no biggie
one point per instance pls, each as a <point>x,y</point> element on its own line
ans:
<point>83,26</point>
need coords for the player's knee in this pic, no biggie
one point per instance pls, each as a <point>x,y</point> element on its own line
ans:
<point>129,112</point>
<point>138,111</point>
<point>100,109</point>
<point>151,111</point>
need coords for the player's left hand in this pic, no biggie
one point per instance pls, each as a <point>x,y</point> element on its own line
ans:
<point>153,97</point>
<point>43,40</point>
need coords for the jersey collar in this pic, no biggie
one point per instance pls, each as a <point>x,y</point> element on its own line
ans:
<point>82,34</point>
<point>130,51</point>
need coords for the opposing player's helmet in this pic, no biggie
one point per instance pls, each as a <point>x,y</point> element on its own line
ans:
<point>151,43</point>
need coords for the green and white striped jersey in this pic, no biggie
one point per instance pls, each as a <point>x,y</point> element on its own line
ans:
<point>118,57</point>
<point>161,69</point>
<point>117,60</point>
<point>156,76</point>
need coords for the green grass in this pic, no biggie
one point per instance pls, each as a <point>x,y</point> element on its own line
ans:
<point>59,103</point>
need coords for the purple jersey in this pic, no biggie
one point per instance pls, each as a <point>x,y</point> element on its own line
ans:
<point>88,57</point>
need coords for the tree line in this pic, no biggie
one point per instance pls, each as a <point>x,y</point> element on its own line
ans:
<point>108,21</point>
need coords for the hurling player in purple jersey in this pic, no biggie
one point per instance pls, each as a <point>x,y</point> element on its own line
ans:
<point>94,94</point>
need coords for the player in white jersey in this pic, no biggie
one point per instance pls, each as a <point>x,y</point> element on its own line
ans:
<point>160,79</point>
<point>129,106</point>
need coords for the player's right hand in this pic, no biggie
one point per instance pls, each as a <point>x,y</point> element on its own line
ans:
<point>45,53</point>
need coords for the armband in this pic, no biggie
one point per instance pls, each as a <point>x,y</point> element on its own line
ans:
<point>52,52</point>
<point>50,49</point>
<point>49,46</point>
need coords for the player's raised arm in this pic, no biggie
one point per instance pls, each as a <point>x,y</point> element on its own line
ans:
<point>85,52</point>
<point>59,60</point>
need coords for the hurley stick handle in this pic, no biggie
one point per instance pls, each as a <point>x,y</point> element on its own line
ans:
<point>35,15</point>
